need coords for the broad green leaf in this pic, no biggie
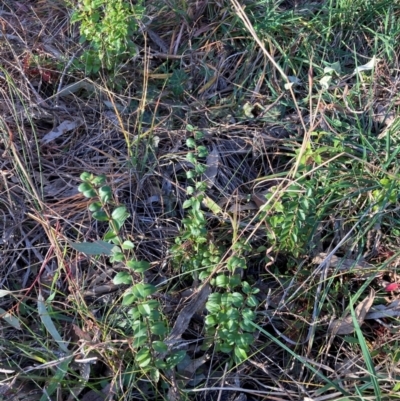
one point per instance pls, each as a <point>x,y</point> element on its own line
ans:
<point>211,320</point>
<point>158,329</point>
<point>128,299</point>
<point>145,309</point>
<point>190,143</point>
<point>93,248</point>
<point>49,325</point>
<point>143,358</point>
<point>128,245</point>
<point>175,358</point>
<point>91,193</point>
<point>155,375</point>
<point>85,176</point>
<point>105,194</point>
<point>222,280</point>
<point>187,203</point>
<point>143,290</point>
<point>237,299</point>
<point>99,180</point>
<point>122,278</point>
<point>100,215</point>
<point>117,257</point>
<point>95,207</point>
<point>120,214</point>
<point>213,304</point>
<point>110,235</point>
<point>85,187</point>
<point>138,266</point>
<point>252,301</point>
<point>240,354</point>
<point>139,341</point>
<point>159,346</point>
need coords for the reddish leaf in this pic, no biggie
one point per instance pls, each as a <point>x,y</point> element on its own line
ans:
<point>392,287</point>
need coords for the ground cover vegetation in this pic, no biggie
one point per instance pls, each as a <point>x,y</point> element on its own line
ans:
<point>199,200</point>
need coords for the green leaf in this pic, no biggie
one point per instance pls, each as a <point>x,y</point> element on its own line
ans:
<point>110,236</point>
<point>159,346</point>
<point>237,299</point>
<point>128,299</point>
<point>222,280</point>
<point>211,320</point>
<point>252,301</point>
<point>128,245</point>
<point>100,216</point>
<point>246,288</point>
<point>86,176</point>
<point>143,290</point>
<point>175,358</point>
<point>139,341</point>
<point>117,257</point>
<point>138,266</point>
<point>120,214</point>
<point>187,203</point>
<point>93,248</point>
<point>155,375</point>
<point>91,193</point>
<point>159,329</point>
<point>95,207</point>
<point>190,143</point>
<point>99,180</point>
<point>213,304</point>
<point>105,194</point>
<point>122,278</point>
<point>143,358</point>
<point>240,354</point>
<point>85,187</point>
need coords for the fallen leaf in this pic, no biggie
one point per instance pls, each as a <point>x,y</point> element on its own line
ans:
<point>211,172</point>
<point>392,287</point>
<point>64,127</point>
<point>345,325</point>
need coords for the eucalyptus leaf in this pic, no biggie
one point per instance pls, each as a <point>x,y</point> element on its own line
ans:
<point>93,248</point>
<point>49,325</point>
<point>10,319</point>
